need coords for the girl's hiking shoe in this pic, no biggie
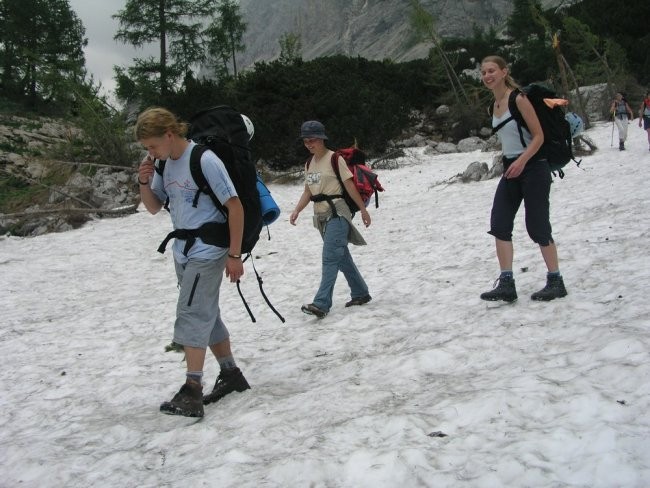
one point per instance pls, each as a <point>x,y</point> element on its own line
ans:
<point>311,309</point>
<point>229,380</point>
<point>554,289</point>
<point>187,402</point>
<point>505,290</point>
<point>358,301</point>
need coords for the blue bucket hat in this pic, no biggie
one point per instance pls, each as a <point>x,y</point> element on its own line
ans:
<point>312,129</point>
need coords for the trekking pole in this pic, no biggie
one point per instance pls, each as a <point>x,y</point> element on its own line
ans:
<point>611,143</point>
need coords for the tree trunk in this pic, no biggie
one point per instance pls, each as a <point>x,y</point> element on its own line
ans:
<point>163,48</point>
<point>234,59</point>
<point>581,104</point>
<point>563,66</point>
<point>127,209</point>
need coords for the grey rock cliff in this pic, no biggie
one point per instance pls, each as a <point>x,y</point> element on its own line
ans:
<point>373,29</point>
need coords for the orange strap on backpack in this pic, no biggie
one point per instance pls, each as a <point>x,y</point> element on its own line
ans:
<point>556,102</point>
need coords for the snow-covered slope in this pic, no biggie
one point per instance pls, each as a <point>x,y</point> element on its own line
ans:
<point>531,394</point>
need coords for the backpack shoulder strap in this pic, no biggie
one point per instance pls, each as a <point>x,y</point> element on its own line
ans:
<point>160,167</point>
<point>512,108</point>
<point>516,114</point>
<point>200,179</point>
<point>335,164</point>
<point>337,172</point>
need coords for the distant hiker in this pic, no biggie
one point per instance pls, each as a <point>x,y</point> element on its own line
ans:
<point>622,114</point>
<point>644,115</point>
<point>333,220</point>
<point>200,268</point>
<point>526,177</point>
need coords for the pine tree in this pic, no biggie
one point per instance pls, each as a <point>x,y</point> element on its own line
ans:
<point>290,48</point>
<point>529,30</point>
<point>41,50</point>
<point>176,26</point>
<point>225,36</point>
<point>425,25</point>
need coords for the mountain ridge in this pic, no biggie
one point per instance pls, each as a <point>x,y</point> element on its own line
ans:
<point>373,29</point>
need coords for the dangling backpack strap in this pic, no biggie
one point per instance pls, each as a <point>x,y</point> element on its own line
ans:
<point>266,299</point>
<point>259,282</point>
<point>248,309</point>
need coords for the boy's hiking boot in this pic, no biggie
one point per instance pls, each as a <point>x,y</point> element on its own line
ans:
<point>229,380</point>
<point>505,290</point>
<point>621,146</point>
<point>187,402</point>
<point>554,289</point>
<point>311,309</point>
<point>359,301</point>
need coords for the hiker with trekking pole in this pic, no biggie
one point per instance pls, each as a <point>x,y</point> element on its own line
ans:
<point>622,114</point>
<point>526,177</point>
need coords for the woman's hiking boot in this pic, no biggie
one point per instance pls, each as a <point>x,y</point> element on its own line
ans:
<point>229,380</point>
<point>505,290</point>
<point>311,309</point>
<point>554,289</point>
<point>187,402</point>
<point>358,301</point>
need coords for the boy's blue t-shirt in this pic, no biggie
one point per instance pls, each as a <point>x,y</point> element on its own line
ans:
<point>179,186</point>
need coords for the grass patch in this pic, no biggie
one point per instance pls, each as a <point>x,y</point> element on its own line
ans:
<point>17,193</point>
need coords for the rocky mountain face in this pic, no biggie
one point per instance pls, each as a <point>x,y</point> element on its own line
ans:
<point>57,194</point>
<point>373,29</point>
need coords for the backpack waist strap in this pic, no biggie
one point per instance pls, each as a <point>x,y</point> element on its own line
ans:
<point>213,233</point>
<point>322,197</point>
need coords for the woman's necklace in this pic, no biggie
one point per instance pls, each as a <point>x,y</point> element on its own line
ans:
<point>500,99</point>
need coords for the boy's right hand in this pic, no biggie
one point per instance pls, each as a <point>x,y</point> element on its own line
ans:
<point>146,169</point>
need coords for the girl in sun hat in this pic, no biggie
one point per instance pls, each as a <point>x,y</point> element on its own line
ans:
<point>333,221</point>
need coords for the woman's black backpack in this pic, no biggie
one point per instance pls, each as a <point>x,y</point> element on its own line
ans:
<point>558,142</point>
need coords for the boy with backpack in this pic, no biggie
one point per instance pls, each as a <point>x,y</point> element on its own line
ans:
<point>527,177</point>
<point>333,219</point>
<point>199,266</point>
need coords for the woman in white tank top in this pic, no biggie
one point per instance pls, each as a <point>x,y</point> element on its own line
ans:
<point>526,178</point>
